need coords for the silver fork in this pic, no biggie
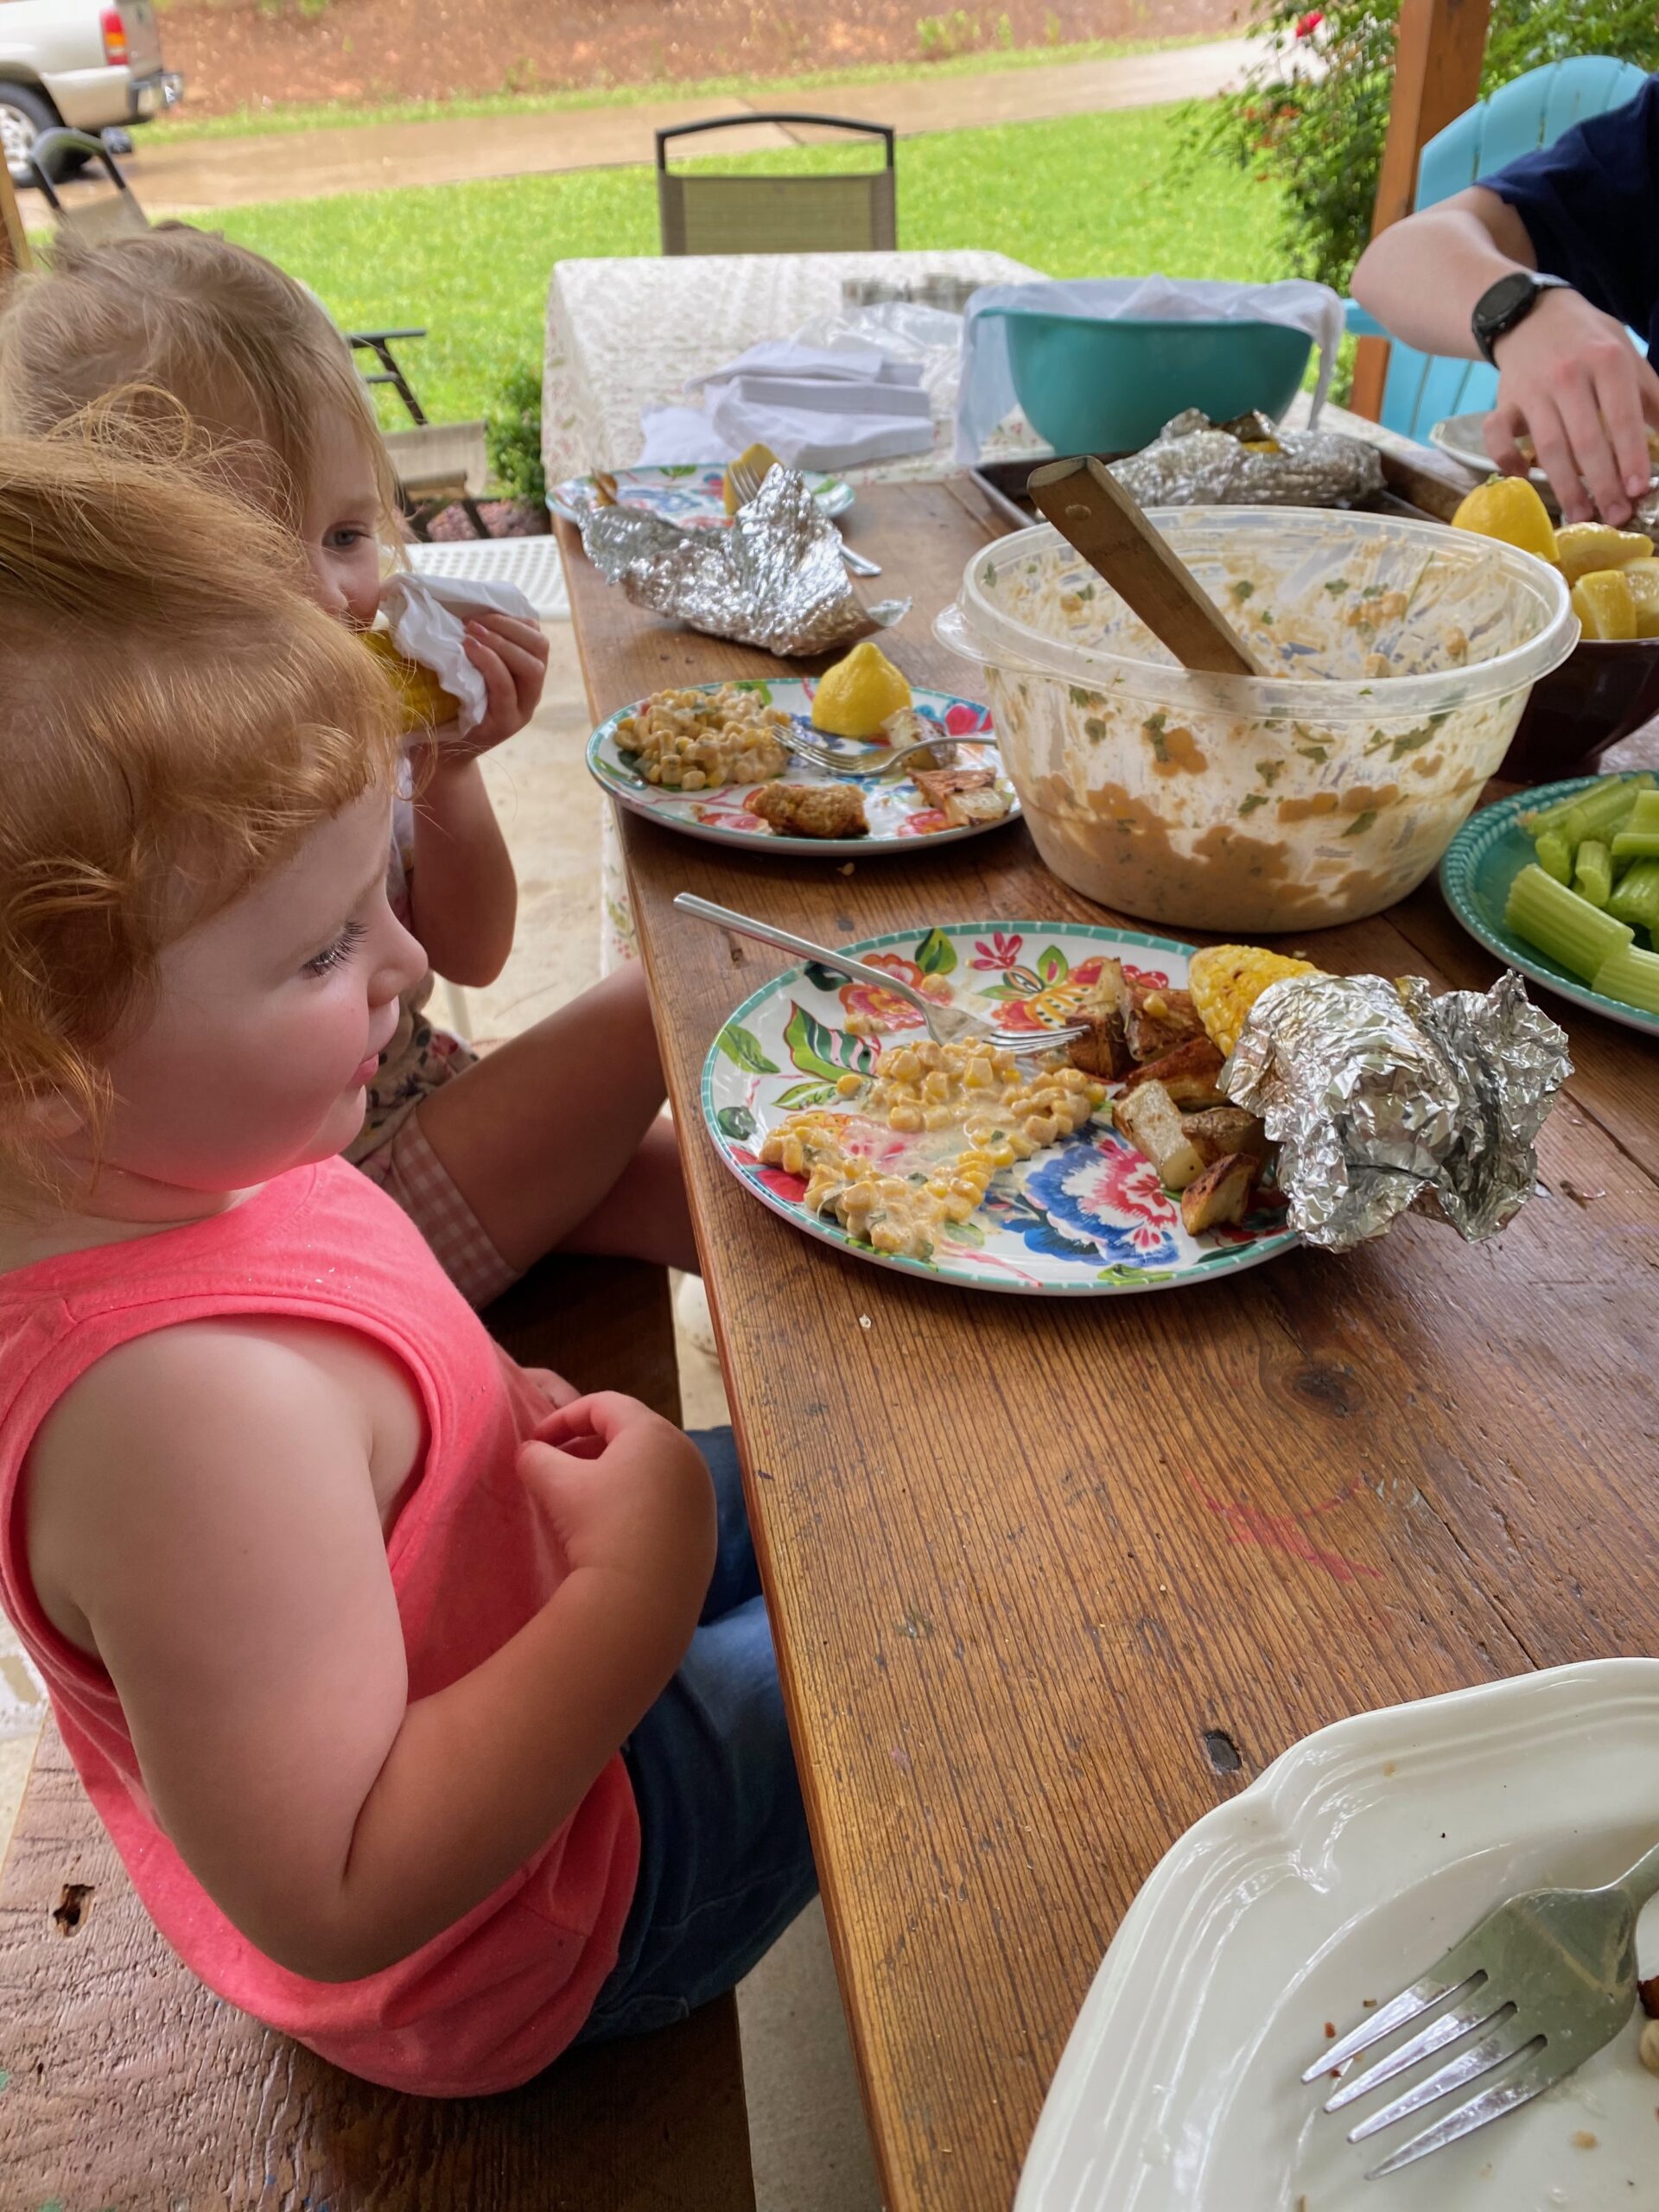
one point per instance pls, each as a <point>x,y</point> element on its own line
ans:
<point>946,1025</point>
<point>746,480</point>
<point>1541,1984</point>
<point>843,764</point>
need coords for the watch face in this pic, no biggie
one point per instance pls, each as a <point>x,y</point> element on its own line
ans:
<point>1501,307</point>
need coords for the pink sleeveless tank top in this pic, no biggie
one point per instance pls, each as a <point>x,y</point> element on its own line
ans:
<point>494,1998</point>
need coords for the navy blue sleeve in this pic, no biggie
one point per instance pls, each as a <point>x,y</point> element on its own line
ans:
<point>1591,207</point>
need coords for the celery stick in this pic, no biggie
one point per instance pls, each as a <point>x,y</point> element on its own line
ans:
<point>1632,978</point>
<point>1636,897</point>
<point>1592,874</point>
<point>1555,856</point>
<point>1644,814</point>
<point>1599,814</point>
<point>1635,845</point>
<point>1551,817</point>
<point>1566,928</point>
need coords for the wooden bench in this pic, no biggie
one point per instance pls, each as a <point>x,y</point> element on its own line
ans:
<point>125,2086</point>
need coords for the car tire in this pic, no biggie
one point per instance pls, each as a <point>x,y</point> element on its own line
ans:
<point>25,112</point>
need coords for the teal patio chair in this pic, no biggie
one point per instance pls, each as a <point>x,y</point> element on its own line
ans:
<point>1421,389</point>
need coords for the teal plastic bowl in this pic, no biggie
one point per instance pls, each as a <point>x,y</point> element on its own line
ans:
<point>1109,387</point>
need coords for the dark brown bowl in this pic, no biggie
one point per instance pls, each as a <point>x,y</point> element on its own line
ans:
<point>1602,691</point>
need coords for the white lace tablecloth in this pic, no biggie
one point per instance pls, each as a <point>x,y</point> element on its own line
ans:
<point>626,333</point>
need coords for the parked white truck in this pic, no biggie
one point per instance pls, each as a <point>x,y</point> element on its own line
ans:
<point>80,62</point>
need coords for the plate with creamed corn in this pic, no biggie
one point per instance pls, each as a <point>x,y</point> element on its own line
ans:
<point>1113,1163</point>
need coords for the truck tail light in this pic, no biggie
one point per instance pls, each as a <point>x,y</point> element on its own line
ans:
<point>115,37</point>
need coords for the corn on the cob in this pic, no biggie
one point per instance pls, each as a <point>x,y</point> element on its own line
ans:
<point>1226,981</point>
<point>426,703</point>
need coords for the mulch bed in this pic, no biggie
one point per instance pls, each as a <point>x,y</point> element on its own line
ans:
<point>242,54</point>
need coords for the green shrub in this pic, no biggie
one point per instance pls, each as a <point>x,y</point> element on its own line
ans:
<point>512,435</point>
<point>1320,138</point>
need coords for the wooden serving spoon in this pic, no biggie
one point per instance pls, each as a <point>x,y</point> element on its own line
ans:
<point>1094,513</point>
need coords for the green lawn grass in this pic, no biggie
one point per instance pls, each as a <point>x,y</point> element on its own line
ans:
<point>1098,195</point>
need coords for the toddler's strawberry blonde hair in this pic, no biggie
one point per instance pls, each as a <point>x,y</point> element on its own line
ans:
<point>136,328</point>
<point>176,714</point>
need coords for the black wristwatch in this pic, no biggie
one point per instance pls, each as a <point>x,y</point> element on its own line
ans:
<point>1511,300</point>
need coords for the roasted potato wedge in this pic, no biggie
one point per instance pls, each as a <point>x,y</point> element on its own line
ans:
<point>1157,1021</point>
<point>1220,1130</point>
<point>1222,1193</point>
<point>1152,1121</point>
<point>1190,1074</point>
<point>1105,1051</point>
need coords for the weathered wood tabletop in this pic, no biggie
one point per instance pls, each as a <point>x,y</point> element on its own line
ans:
<point>1050,1578</point>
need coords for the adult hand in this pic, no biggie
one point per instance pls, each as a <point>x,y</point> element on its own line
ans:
<point>1570,379</point>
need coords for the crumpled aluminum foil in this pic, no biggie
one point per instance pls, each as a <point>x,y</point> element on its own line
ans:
<point>1192,463</point>
<point>1382,1097</point>
<point>775,579</point>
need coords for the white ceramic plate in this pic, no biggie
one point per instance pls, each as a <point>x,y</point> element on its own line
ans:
<point>897,812</point>
<point>1084,1218</point>
<point>1342,1873</point>
<point>1461,436</point>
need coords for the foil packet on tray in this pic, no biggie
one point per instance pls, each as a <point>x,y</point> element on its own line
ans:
<point>1249,462</point>
<point>1382,1097</point>
<point>775,579</point>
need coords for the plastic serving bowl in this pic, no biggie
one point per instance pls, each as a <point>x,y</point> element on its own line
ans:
<point>1088,386</point>
<point>1403,654</point>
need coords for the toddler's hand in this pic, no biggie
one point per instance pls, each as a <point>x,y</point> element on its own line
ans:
<point>511,657</point>
<point>553,1387</point>
<point>627,1493</point>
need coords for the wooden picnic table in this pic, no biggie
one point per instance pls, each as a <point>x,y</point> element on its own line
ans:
<point>1050,1578</point>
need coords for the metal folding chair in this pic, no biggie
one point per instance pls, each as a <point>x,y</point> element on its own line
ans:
<point>114,214</point>
<point>748,212</point>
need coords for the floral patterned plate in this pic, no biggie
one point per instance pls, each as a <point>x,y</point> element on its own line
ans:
<point>896,811</point>
<point>1086,1217</point>
<point>693,496</point>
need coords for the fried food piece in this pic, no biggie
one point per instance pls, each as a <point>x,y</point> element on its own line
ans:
<point>812,809</point>
<point>1190,1074</point>
<point>1152,1121</point>
<point>425,703</point>
<point>1219,1130</point>
<point>962,795</point>
<point>1226,981</point>
<point>1222,1193</point>
<point>1157,1020</point>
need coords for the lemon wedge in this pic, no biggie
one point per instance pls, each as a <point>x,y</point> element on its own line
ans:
<point>855,696</point>
<point>1508,508</point>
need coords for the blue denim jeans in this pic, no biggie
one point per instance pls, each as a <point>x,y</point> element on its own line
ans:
<point>725,1864</point>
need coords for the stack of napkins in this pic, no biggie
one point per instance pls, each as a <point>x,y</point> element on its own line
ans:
<point>816,407</point>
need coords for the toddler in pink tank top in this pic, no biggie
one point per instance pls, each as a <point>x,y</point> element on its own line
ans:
<point>429,1704</point>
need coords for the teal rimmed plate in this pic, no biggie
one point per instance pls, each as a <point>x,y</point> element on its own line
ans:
<point>1087,1217</point>
<point>1482,862</point>
<point>897,812</point>
<point>692,495</point>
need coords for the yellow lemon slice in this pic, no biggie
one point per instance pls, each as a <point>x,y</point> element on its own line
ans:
<point>1581,547</point>
<point>1605,604</point>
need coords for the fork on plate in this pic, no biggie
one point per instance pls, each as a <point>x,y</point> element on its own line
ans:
<point>746,480</point>
<point>891,762</point>
<point>1530,1993</point>
<point>946,1025</point>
